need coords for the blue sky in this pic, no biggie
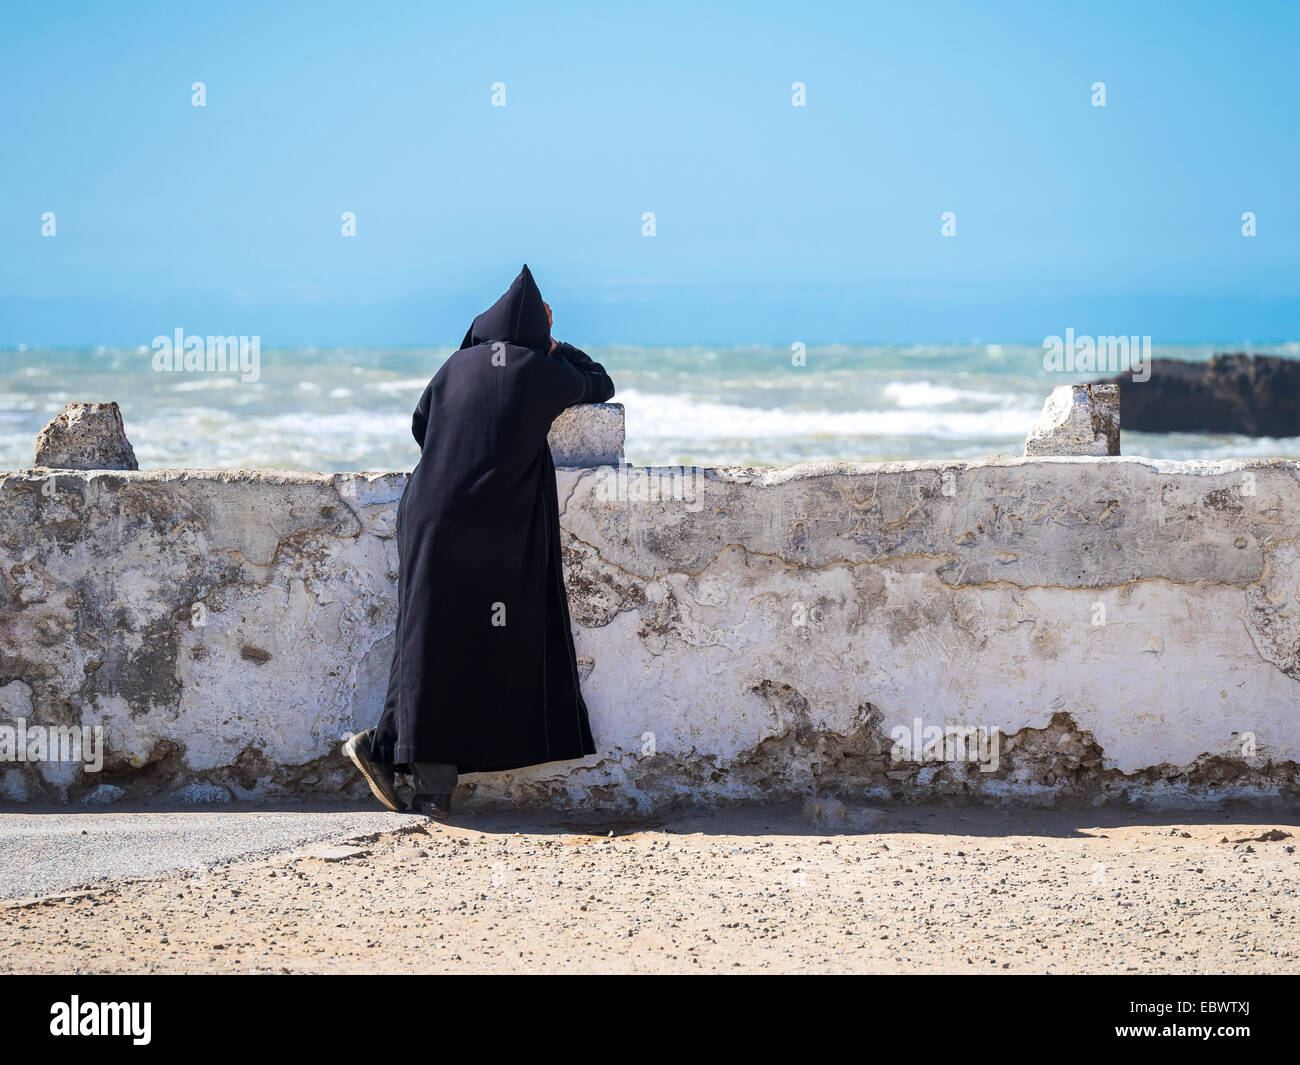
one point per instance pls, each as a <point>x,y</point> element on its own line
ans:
<point>774,223</point>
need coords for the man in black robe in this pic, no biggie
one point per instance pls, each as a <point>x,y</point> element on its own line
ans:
<point>484,674</point>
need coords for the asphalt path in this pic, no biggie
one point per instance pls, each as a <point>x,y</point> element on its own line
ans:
<point>52,850</point>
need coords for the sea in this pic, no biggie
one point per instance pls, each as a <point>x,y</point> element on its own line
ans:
<point>336,409</point>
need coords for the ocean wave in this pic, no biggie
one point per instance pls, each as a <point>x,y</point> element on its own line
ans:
<point>415,386</point>
<point>920,394</point>
<point>651,416</point>
<point>350,409</point>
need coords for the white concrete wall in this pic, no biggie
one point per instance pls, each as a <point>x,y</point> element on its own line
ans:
<point>1131,628</point>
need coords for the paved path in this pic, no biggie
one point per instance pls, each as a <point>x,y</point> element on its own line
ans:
<point>51,850</point>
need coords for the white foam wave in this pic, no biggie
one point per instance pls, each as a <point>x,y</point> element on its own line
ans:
<point>914,394</point>
<point>652,416</point>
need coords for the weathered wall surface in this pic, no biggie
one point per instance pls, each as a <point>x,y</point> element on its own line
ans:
<point>1132,627</point>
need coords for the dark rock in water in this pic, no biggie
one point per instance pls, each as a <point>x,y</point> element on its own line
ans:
<point>1254,395</point>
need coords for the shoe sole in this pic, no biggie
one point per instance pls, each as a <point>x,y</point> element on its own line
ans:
<point>389,799</point>
<point>436,815</point>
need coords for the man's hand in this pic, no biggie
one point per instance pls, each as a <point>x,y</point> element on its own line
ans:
<point>550,324</point>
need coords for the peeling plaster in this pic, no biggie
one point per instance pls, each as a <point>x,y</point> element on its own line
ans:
<point>229,627</point>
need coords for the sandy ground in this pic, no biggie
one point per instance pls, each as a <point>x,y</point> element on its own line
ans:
<point>733,890</point>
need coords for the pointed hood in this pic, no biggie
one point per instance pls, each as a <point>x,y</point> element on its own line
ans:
<point>518,317</point>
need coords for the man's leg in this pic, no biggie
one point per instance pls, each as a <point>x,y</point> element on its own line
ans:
<point>433,782</point>
<point>379,775</point>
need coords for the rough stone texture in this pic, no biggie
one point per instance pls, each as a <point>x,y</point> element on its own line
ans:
<point>1077,420</point>
<point>86,436</point>
<point>1130,626</point>
<point>588,435</point>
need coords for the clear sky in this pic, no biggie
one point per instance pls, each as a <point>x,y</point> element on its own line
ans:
<point>774,223</point>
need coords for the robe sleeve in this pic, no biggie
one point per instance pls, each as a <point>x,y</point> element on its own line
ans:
<point>597,386</point>
<point>420,419</point>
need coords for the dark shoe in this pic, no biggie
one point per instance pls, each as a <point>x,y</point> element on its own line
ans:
<point>378,776</point>
<point>436,806</point>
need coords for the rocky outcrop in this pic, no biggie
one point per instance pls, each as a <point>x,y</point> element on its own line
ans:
<point>86,436</point>
<point>1077,420</point>
<point>1254,395</point>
